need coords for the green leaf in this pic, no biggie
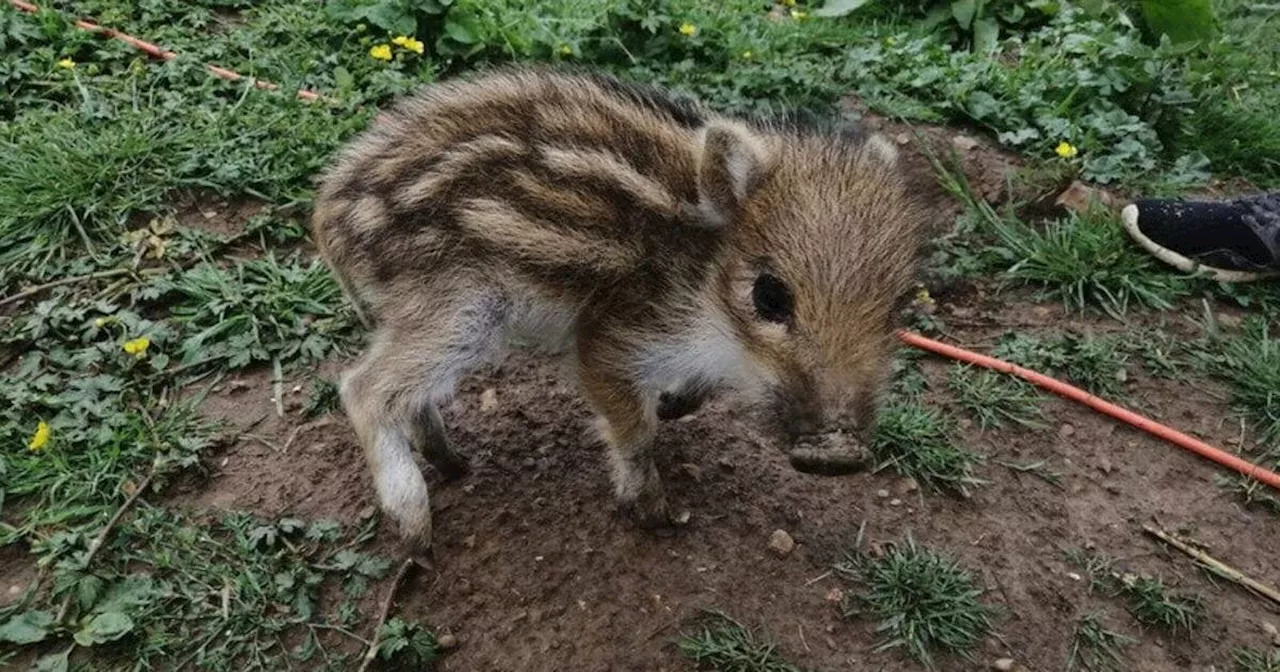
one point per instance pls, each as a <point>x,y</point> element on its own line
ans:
<point>54,662</point>
<point>963,11</point>
<point>28,627</point>
<point>986,32</point>
<point>838,8</point>
<point>104,628</point>
<point>342,77</point>
<point>1182,20</point>
<point>461,30</point>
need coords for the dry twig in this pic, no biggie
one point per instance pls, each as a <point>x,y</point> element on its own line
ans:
<point>372,652</point>
<point>101,539</point>
<point>1214,565</point>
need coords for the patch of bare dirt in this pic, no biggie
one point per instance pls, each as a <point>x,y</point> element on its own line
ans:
<point>535,571</point>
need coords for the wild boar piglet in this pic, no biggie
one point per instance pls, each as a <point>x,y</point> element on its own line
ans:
<point>666,250</point>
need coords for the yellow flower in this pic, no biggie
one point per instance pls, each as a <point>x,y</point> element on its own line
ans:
<point>1066,150</point>
<point>137,347</point>
<point>798,15</point>
<point>746,55</point>
<point>41,436</point>
<point>408,43</point>
<point>382,52</point>
<point>66,63</point>
<point>688,29</point>
<point>789,3</point>
<point>566,49</point>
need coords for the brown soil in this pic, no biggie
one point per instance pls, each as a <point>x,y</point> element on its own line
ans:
<point>534,570</point>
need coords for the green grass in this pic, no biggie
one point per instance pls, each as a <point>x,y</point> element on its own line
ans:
<point>1250,364</point>
<point>996,400</point>
<point>1095,648</point>
<point>724,645</point>
<point>1151,602</point>
<point>258,310</point>
<point>1252,660</point>
<point>921,443</point>
<point>924,602</point>
<point>1084,259</point>
<point>1096,363</point>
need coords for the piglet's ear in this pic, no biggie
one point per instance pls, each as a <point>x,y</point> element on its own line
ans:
<point>731,164</point>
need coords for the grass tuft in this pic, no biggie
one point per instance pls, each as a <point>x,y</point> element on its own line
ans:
<point>724,645</point>
<point>921,443</point>
<point>1096,363</point>
<point>925,602</point>
<point>1252,660</point>
<point>1150,601</point>
<point>258,310</point>
<point>996,399</point>
<point>1097,648</point>
<point>1154,604</point>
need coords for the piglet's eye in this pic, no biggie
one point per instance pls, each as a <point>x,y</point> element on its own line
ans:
<point>772,299</point>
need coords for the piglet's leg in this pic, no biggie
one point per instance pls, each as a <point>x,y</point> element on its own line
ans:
<point>628,424</point>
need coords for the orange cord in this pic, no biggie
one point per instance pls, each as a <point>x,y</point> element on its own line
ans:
<point>163,54</point>
<point>1076,394</point>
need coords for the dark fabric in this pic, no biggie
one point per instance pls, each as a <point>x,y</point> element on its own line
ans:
<point>1242,234</point>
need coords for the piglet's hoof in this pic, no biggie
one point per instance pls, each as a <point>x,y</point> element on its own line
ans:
<point>834,454</point>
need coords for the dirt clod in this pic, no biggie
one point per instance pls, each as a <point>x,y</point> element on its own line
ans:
<point>488,400</point>
<point>447,642</point>
<point>1066,430</point>
<point>964,143</point>
<point>781,543</point>
<point>1080,197</point>
<point>1003,664</point>
<point>882,493</point>
<point>835,596</point>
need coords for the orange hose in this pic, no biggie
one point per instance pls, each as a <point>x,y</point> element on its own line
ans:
<point>155,51</point>
<point>1193,444</point>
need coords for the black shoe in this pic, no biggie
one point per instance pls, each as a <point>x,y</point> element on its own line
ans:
<point>1230,241</point>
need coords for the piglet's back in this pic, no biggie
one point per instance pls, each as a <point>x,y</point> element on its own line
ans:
<point>577,178</point>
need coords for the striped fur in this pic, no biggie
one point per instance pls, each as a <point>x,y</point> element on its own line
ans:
<point>627,228</point>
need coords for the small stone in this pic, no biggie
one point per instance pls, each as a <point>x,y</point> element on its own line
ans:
<point>1073,576</point>
<point>15,590</point>
<point>488,400</point>
<point>447,642</point>
<point>1271,632</point>
<point>469,488</point>
<point>902,138</point>
<point>1066,430</point>
<point>895,502</point>
<point>682,518</point>
<point>210,214</point>
<point>1104,465</point>
<point>693,471</point>
<point>470,541</point>
<point>882,493</point>
<point>781,543</point>
<point>835,595</point>
<point>1229,321</point>
<point>368,512</point>
<point>964,143</point>
<point>725,463</point>
<point>1003,664</point>
<point>907,486</point>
